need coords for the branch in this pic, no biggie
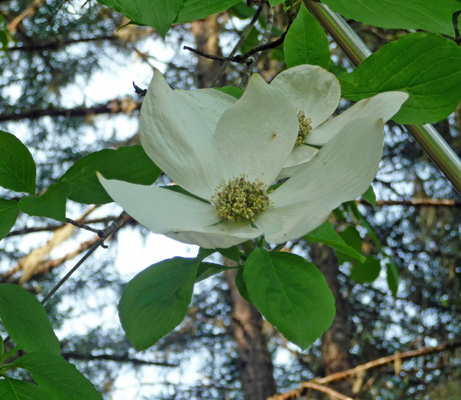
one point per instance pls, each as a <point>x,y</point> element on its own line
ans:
<point>126,106</point>
<point>297,393</point>
<point>112,357</point>
<point>48,228</point>
<point>313,386</point>
<point>55,45</point>
<point>28,12</point>
<point>415,202</point>
<point>240,58</point>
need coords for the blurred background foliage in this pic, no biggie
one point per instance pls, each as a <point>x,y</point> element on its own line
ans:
<point>67,68</point>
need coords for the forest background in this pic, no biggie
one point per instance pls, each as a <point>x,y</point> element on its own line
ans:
<point>66,90</point>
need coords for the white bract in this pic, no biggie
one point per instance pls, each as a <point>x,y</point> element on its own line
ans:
<point>228,152</point>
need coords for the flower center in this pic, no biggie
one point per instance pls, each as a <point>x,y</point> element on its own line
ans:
<point>240,200</point>
<point>304,128</point>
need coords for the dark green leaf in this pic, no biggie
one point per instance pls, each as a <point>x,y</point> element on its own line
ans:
<point>273,3</point>
<point>57,377</point>
<point>9,211</point>
<point>392,277</point>
<point>366,272</point>
<point>17,167</point>
<point>241,285</point>
<point>242,11</point>
<point>291,293</point>
<point>306,42</point>
<point>199,9</point>
<point>327,234</point>
<point>231,90</point>
<point>12,389</point>
<point>159,14</point>
<point>206,269</point>
<point>428,15</point>
<point>232,253</point>
<point>51,204</point>
<point>156,300</point>
<point>370,196</point>
<point>26,321</point>
<point>425,65</point>
<point>129,164</point>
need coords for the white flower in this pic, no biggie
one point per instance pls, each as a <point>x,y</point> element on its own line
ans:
<point>316,93</point>
<point>207,141</point>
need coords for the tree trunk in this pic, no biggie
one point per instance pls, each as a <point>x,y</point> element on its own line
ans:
<point>254,360</point>
<point>206,32</point>
<point>336,340</point>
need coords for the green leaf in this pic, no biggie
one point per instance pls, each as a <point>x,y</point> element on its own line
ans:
<point>57,377</point>
<point>9,211</point>
<point>51,204</point>
<point>13,389</point>
<point>159,14</point>
<point>206,269</point>
<point>367,271</point>
<point>392,277</point>
<point>241,285</point>
<point>200,9</point>
<point>291,293</point>
<point>231,90</point>
<point>370,196</point>
<point>273,3</point>
<point>425,65</point>
<point>26,321</point>
<point>17,167</point>
<point>306,42</point>
<point>129,164</point>
<point>327,234</point>
<point>428,15</point>
<point>353,239</point>
<point>156,300</point>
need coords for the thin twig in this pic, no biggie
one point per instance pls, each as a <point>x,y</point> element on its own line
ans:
<point>83,226</point>
<point>243,37</point>
<point>103,234</point>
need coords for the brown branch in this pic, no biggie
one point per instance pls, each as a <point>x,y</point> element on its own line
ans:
<point>297,393</point>
<point>112,357</point>
<point>56,44</point>
<point>50,228</point>
<point>415,202</point>
<point>126,106</point>
<point>307,386</point>
<point>28,12</point>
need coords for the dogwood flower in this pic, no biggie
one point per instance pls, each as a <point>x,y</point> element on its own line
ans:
<point>316,93</point>
<point>227,153</point>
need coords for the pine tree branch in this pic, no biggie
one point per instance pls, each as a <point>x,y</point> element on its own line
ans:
<point>112,357</point>
<point>57,44</point>
<point>115,106</point>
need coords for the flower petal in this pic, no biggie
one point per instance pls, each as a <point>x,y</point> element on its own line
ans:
<point>311,89</point>
<point>256,134</point>
<point>341,171</point>
<point>207,240</point>
<point>175,131</point>
<point>176,215</point>
<point>382,106</point>
<point>160,210</point>
<point>299,156</point>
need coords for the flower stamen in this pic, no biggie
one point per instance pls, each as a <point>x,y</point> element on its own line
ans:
<point>304,128</point>
<point>240,200</point>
